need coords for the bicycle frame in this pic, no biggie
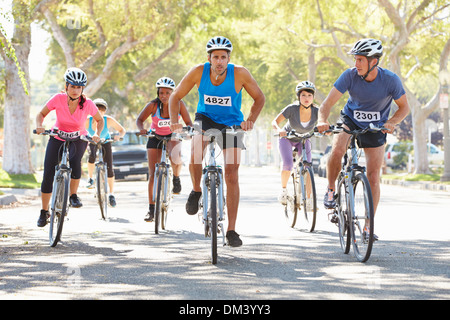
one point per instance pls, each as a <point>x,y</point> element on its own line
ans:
<point>163,167</point>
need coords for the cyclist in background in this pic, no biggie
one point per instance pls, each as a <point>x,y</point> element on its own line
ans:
<point>109,122</point>
<point>72,109</point>
<point>371,91</point>
<point>220,85</point>
<point>302,117</point>
<point>158,109</point>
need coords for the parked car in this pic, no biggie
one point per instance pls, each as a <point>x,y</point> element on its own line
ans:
<point>396,154</point>
<point>316,155</point>
<point>322,170</point>
<point>130,156</point>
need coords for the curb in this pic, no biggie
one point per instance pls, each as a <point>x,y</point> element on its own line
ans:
<point>418,185</point>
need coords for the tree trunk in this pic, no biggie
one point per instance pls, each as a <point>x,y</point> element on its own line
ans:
<point>16,150</point>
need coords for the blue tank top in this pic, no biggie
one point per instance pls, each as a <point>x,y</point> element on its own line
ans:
<point>105,132</point>
<point>222,103</point>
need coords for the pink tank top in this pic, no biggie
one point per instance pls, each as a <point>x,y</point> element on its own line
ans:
<point>159,124</point>
<point>70,122</point>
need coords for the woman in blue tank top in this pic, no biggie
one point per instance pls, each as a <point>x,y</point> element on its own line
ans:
<point>109,122</point>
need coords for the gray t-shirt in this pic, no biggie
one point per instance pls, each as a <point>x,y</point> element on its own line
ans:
<point>292,114</point>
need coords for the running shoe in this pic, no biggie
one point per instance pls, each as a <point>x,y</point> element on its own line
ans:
<point>176,185</point>
<point>233,239</point>
<point>283,197</point>
<point>43,218</point>
<point>75,201</point>
<point>192,202</point>
<point>329,199</point>
<point>90,184</point>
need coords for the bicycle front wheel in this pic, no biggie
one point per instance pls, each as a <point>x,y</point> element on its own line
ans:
<point>159,198</point>
<point>212,219</point>
<point>293,201</point>
<point>362,223</point>
<point>309,200</point>
<point>168,198</point>
<point>58,206</point>
<point>341,213</point>
<point>102,191</point>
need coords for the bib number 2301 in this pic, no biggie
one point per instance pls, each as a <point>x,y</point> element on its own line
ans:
<point>366,116</point>
<point>218,101</point>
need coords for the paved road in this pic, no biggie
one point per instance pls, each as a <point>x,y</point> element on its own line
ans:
<point>124,259</point>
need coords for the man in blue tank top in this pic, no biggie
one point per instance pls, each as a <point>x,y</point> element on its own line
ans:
<point>220,85</point>
<point>371,92</point>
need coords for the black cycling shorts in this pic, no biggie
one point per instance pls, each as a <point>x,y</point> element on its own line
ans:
<point>155,143</point>
<point>224,140</point>
<point>368,139</point>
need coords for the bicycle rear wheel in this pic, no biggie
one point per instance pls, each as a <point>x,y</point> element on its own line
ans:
<point>309,200</point>
<point>342,217</point>
<point>293,201</point>
<point>159,198</point>
<point>212,212</point>
<point>58,206</point>
<point>362,216</point>
<point>102,191</point>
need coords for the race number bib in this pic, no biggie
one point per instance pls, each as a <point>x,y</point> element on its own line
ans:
<point>69,135</point>
<point>164,123</point>
<point>217,101</point>
<point>366,116</point>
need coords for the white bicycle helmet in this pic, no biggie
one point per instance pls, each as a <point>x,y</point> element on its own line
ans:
<point>165,82</point>
<point>368,48</point>
<point>101,102</point>
<point>76,77</point>
<point>219,43</point>
<point>305,85</point>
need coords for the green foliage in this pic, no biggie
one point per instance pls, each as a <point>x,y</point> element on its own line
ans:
<point>25,181</point>
<point>275,40</point>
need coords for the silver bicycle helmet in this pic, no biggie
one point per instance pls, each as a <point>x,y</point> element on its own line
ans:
<point>165,82</point>
<point>368,48</point>
<point>76,77</point>
<point>219,43</point>
<point>101,102</point>
<point>305,85</point>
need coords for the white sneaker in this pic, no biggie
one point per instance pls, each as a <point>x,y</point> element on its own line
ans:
<point>283,197</point>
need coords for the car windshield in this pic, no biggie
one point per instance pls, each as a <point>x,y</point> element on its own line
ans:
<point>131,138</point>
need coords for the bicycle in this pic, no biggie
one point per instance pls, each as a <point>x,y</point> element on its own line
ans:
<point>354,211</point>
<point>60,196</point>
<point>162,188</point>
<point>212,201</point>
<point>302,191</point>
<point>101,177</point>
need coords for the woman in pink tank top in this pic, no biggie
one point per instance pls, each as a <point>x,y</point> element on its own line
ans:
<point>158,109</point>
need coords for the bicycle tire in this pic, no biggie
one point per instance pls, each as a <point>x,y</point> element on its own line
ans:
<point>159,188</point>
<point>292,205</point>
<point>342,215</point>
<point>58,206</point>
<point>309,212</point>
<point>363,210</point>
<point>213,216</point>
<point>102,191</point>
<point>165,207</point>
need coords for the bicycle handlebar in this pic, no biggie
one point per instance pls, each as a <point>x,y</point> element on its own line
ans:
<point>339,129</point>
<point>292,134</point>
